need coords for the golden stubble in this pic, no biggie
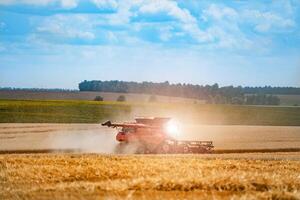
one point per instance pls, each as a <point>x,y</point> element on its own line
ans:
<point>76,176</point>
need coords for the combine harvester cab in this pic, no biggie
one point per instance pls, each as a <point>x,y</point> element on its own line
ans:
<point>154,135</point>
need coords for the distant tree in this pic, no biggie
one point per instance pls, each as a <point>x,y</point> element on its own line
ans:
<point>296,104</point>
<point>152,98</point>
<point>98,98</point>
<point>121,98</point>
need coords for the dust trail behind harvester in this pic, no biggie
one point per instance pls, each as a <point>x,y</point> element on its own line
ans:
<point>85,139</point>
<point>88,141</point>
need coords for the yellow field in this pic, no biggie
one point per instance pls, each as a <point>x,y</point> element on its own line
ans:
<point>92,176</point>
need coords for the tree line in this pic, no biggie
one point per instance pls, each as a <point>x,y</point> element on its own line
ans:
<point>210,93</point>
<point>272,90</point>
<point>37,89</point>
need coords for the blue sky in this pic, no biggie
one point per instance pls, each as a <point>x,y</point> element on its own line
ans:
<point>58,43</point>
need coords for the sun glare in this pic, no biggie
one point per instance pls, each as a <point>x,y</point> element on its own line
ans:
<point>172,129</point>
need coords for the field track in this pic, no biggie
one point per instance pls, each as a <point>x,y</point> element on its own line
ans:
<point>93,138</point>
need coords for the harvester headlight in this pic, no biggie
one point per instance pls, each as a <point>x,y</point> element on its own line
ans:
<point>172,129</point>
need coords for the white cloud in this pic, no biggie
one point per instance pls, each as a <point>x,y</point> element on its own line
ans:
<point>217,12</point>
<point>199,35</point>
<point>165,33</point>
<point>263,21</point>
<point>266,21</point>
<point>122,13</point>
<point>224,30</point>
<point>68,3</point>
<point>122,17</point>
<point>30,2</point>
<point>67,27</point>
<point>64,3</point>
<point>170,8</point>
<point>112,37</point>
<point>188,22</point>
<point>226,26</point>
<point>230,39</point>
<point>219,26</point>
<point>284,6</point>
<point>106,3</point>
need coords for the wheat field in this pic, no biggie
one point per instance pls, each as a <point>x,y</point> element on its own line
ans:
<point>96,176</point>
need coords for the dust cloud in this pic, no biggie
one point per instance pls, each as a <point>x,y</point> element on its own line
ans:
<point>88,140</point>
<point>99,140</point>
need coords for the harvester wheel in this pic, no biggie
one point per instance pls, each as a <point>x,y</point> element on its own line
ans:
<point>120,148</point>
<point>186,149</point>
<point>164,148</point>
<point>142,148</point>
<point>202,150</point>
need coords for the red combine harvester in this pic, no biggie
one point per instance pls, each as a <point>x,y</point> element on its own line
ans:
<point>155,135</point>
